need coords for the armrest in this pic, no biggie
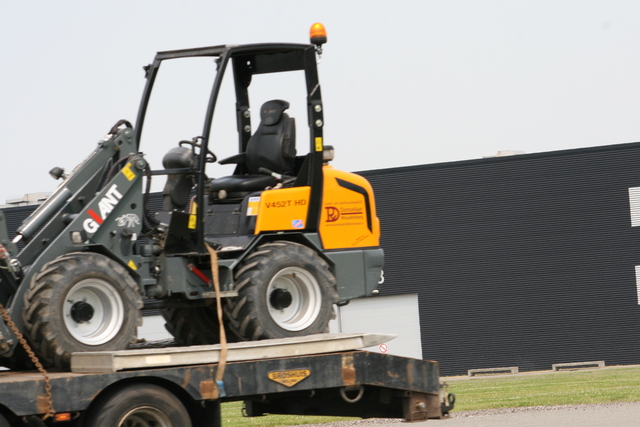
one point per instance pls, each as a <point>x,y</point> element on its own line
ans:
<point>235,159</point>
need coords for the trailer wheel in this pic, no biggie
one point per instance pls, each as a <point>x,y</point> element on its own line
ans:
<point>81,302</point>
<point>285,289</point>
<point>139,405</point>
<point>194,325</point>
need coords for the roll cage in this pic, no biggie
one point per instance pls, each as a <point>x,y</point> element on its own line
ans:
<point>249,60</point>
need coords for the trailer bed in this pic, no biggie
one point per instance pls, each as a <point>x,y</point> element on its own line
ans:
<point>343,383</point>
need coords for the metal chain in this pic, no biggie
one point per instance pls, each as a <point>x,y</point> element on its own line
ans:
<point>47,384</point>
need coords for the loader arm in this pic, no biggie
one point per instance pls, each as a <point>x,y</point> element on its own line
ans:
<point>98,208</point>
<point>73,195</point>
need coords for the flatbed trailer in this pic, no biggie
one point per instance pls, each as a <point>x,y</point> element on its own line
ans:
<point>342,383</point>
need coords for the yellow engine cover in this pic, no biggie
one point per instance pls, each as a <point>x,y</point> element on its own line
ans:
<point>348,218</point>
<point>281,209</point>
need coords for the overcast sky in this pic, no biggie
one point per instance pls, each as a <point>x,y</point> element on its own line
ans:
<point>404,82</point>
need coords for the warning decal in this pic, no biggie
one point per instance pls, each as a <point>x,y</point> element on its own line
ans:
<point>126,171</point>
<point>252,207</point>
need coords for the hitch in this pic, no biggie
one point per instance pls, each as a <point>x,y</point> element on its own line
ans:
<point>448,400</point>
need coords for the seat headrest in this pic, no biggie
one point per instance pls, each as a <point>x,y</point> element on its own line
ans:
<point>271,111</point>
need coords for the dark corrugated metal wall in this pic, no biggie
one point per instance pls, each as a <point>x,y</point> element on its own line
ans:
<point>521,261</point>
<point>15,216</point>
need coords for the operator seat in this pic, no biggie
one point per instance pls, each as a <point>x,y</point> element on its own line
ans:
<point>271,147</point>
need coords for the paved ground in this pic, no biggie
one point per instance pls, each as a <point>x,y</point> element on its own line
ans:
<point>610,414</point>
<point>599,415</point>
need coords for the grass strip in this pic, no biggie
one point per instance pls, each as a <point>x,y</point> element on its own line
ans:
<point>559,388</point>
<point>232,417</point>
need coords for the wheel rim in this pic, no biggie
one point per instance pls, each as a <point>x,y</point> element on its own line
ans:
<point>294,299</point>
<point>93,312</point>
<point>145,417</point>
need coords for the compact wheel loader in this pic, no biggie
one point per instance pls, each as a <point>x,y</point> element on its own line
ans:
<point>279,242</point>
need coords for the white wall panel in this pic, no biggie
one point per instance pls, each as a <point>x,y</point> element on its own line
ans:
<point>397,314</point>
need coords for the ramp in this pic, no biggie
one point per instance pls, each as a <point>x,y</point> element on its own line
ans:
<point>114,361</point>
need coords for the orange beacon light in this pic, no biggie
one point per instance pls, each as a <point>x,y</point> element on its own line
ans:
<point>318,34</point>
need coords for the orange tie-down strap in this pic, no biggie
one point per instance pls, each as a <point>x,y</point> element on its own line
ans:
<point>223,336</point>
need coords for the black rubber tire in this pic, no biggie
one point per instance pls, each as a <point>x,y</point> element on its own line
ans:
<point>140,405</point>
<point>4,422</point>
<point>195,325</point>
<point>251,315</point>
<point>91,277</point>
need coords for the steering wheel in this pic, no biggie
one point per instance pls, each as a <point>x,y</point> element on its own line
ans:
<point>210,157</point>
